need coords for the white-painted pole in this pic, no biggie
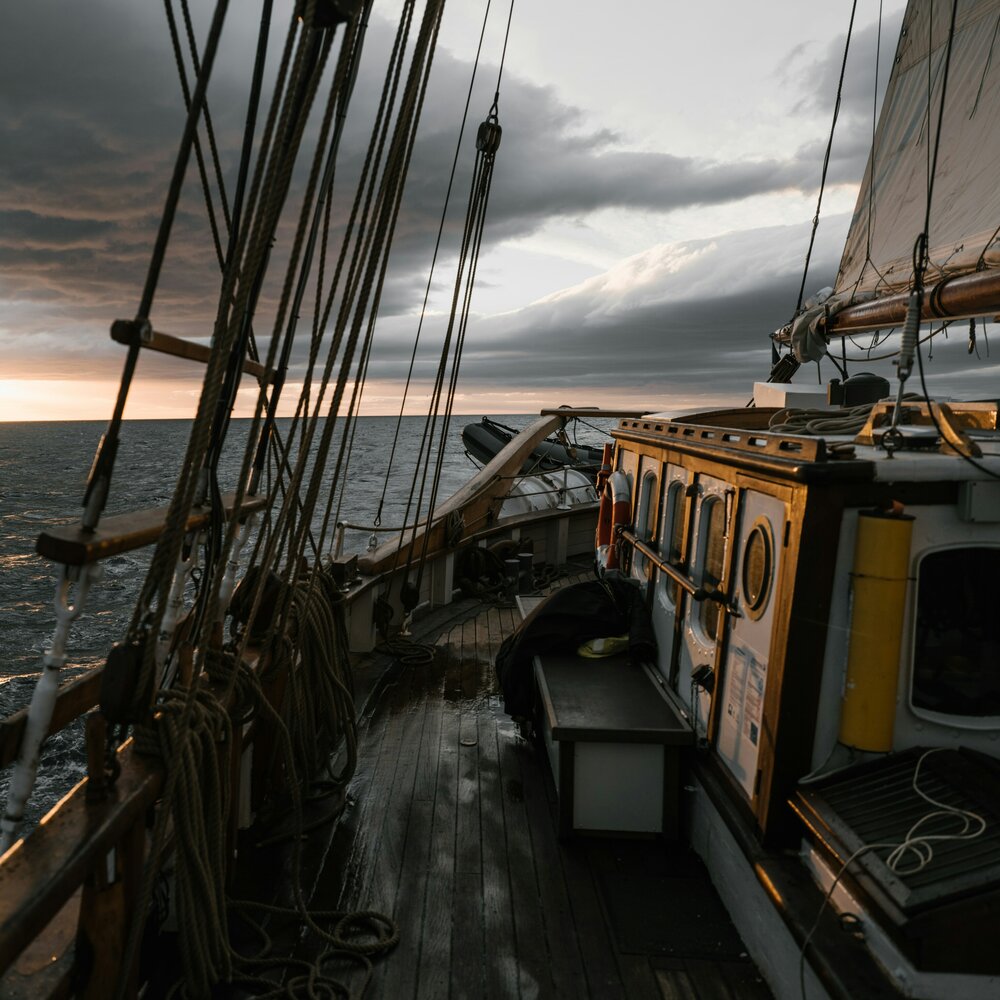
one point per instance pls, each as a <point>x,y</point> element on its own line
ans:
<point>43,700</point>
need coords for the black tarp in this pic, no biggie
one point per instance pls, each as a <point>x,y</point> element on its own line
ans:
<point>614,605</point>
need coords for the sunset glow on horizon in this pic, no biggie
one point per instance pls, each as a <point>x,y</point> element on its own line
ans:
<point>648,268</point>
<point>28,400</point>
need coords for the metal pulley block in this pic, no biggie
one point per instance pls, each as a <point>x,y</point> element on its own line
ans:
<point>125,695</point>
<point>488,136</point>
<point>330,13</point>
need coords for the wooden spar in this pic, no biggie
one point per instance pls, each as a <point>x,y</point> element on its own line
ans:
<point>962,297</point>
<point>73,546</point>
<point>595,411</point>
<point>177,347</point>
<point>474,500</point>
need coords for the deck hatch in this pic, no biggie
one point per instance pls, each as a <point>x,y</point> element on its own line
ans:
<point>875,803</point>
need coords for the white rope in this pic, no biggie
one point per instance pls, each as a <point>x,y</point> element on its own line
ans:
<point>911,844</point>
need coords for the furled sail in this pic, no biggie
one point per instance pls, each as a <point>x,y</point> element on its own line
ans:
<point>965,210</point>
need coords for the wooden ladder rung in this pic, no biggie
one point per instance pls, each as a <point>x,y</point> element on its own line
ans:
<point>72,546</point>
<point>123,332</point>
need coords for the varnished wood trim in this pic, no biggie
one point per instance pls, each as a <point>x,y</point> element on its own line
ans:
<point>478,502</point>
<point>38,875</point>
<point>73,546</point>
<point>178,347</point>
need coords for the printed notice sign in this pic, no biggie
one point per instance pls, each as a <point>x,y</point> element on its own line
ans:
<point>743,713</point>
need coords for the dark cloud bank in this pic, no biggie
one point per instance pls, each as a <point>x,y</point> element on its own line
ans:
<point>89,122</point>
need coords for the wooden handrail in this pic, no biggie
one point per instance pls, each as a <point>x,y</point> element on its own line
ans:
<point>473,501</point>
<point>73,699</point>
<point>596,411</point>
<point>38,875</point>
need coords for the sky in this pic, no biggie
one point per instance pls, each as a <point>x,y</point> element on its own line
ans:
<point>646,231</point>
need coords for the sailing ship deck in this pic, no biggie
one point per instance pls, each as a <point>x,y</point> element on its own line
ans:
<point>450,827</point>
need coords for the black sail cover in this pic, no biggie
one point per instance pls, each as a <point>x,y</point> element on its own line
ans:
<point>615,605</point>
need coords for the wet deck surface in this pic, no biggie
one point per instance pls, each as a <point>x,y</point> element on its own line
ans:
<point>450,827</point>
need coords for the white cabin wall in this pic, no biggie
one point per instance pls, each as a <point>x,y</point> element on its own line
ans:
<point>934,527</point>
<point>831,691</point>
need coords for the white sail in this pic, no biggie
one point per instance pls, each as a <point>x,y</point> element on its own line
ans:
<point>965,210</point>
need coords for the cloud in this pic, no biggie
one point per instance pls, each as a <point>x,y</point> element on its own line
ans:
<point>85,160</point>
<point>678,315</point>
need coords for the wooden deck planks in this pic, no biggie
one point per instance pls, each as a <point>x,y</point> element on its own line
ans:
<point>454,834</point>
<point>501,965</point>
<point>434,971</point>
<point>564,945</point>
<point>534,965</point>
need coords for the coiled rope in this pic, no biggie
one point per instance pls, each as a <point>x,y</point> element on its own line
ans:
<point>820,422</point>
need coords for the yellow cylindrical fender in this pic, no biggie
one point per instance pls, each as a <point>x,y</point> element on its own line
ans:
<point>878,604</point>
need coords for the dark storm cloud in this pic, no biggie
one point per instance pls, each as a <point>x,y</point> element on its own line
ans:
<point>89,124</point>
<point>817,79</point>
<point>681,320</point>
<point>696,314</point>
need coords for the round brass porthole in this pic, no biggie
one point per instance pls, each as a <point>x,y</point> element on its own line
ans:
<point>758,568</point>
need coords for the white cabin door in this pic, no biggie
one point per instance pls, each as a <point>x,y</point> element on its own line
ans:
<point>759,545</point>
<point>703,620</point>
<point>668,597</point>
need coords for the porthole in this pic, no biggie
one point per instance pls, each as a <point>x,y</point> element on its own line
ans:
<point>758,568</point>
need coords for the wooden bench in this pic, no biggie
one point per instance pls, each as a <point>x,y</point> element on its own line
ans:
<point>614,740</point>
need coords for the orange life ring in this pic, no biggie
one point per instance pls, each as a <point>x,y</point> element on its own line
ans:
<point>615,512</point>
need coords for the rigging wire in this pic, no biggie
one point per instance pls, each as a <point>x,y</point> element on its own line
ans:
<point>99,481</point>
<point>784,368</point>
<point>871,163</point>
<point>464,282</point>
<point>159,576</point>
<point>376,249</point>
<point>430,276</point>
<point>826,158</point>
<point>303,82</point>
<point>220,426</point>
<point>198,152</point>
<point>382,257</point>
<point>488,140</point>
<point>920,248</point>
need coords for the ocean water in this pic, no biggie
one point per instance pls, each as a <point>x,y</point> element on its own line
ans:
<point>43,471</point>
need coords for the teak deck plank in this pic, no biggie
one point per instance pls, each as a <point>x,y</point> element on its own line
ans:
<point>498,918</point>
<point>534,967</point>
<point>560,924</point>
<point>433,973</point>
<point>451,828</point>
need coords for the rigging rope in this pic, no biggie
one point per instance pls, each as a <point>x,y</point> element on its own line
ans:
<point>921,256</point>
<point>430,275</point>
<point>871,173</point>
<point>99,481</point>
<point>487,143</point>
<point>379,241</point>
<point>306,70</point>
<point>826,158</point>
